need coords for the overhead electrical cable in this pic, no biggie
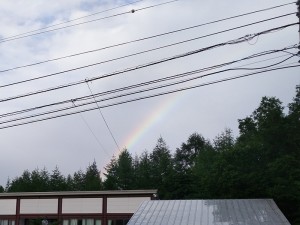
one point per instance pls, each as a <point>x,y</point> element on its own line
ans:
<point>140,91</point>
<point>106,124</point>
<point>151,88</point>
<point>231,42</point>
<point>139,53</point>
<point>90,21</point>
<point>140,39</point>
<point>149,82</point>
<point>264,67</point>
<point>87,97</point>
<point>72,20</point>
<point>92,132</point>
<point>150,96</point>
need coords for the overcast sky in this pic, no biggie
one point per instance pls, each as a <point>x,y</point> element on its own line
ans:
<point>67,141</point>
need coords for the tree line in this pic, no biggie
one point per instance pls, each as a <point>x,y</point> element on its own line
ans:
<point>40,180</point>
<point>263,161</point>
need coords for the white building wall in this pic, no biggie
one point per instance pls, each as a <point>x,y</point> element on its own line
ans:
<point>124,205</point>
<point>8,206</point>
<point>82,205</point>
<point>38,206</point>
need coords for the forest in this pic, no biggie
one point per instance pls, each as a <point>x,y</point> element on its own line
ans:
<point>263,161</point>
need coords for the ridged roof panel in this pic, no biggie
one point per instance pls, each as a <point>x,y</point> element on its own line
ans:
<point>209,212</point>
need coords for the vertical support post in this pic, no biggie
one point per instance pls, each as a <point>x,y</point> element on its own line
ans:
<point>59,211</point>
<point>104,210</point>
<point>298,15</point>
<point>17,222</point>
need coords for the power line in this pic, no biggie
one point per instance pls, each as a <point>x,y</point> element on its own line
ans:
<point>90,21</point>
<point>72,20</point>
<point>156,87</point>
<point>141,91</point>
<point>108,128</point>
<point>150,96</point>
<point>139,53</point>
<point>143,39</point>
<point>91,131</point>
<point>157,80</point>
<point>265,66</point>
<point>231,42</point>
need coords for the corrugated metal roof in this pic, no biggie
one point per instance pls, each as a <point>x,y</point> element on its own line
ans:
<point>209,212</point>
<point>74,193</point>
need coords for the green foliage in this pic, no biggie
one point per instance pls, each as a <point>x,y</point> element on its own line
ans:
<point>161,168</point>
<point>125,171</point>
<point>120,172</point>
<point>262,162</point>
<point>43,181</point>
<point>92,178</point>
<point>225,141</point>
<point>57,181</point>
<point>78,181</point>
<point>20,184</point>
<point>143,172</point>
<point>111,182</point>
<point>185,182</point>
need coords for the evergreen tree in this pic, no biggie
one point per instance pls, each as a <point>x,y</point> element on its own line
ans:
<point>21,184</point>
<point>143,172</point>
<point>262,162</point>
<point>92,179</point>
<point>57,181</point>
<point>135,166</point>
<point>8,185</point>
<point>70,183</point>
<point>111,182</point>
<point>125,171</point>
<point>78,183</point>
<point>40,180</point>
<point>161,169</point>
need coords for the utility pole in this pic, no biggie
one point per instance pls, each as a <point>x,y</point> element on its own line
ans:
<point>298,15</point>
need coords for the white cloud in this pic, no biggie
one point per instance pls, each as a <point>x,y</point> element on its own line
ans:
<point>67,142</point>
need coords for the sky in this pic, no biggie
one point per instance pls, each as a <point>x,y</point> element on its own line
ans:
<point>73,142</point>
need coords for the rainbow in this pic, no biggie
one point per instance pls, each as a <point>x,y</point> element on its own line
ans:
<point>150,120</point>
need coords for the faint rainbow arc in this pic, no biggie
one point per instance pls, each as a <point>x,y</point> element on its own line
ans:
<point>149,121</point>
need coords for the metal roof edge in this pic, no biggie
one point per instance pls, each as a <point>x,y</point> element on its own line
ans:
<point>79,193</point>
